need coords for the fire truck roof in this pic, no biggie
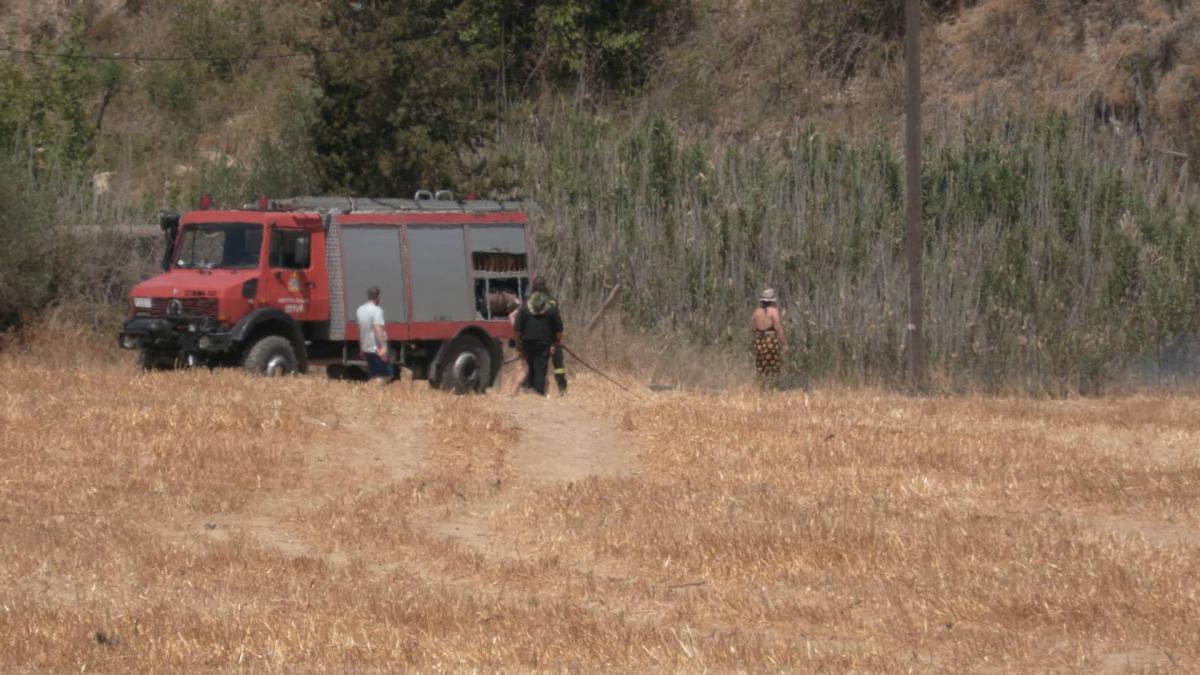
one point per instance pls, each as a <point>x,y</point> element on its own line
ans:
<point>395,204</point>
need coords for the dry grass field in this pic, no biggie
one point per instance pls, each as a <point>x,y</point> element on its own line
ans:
<point>195,520</point>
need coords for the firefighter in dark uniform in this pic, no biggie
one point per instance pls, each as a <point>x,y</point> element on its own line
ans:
<point>557,358</point>
<point>539,330</point>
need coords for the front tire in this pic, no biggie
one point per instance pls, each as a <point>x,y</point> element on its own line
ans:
<point>272,356</point>
<point>466,367</point>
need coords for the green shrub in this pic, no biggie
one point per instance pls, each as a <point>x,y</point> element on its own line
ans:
<point>34,256</point>
<point>174,87</point>
<point>221,34</point>
<point>286,165</point>
<point>842,31</point>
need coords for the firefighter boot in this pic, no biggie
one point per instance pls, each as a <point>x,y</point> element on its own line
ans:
<point>560,371</point>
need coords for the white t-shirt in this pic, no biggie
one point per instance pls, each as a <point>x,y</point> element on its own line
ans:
<point>369,315</point>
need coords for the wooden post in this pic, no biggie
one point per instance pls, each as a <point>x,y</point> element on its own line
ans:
<point>604,340</point>
<point>914,232</point>
<point>603,308</point>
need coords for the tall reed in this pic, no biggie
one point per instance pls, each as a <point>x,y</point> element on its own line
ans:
<point>1058,252</point>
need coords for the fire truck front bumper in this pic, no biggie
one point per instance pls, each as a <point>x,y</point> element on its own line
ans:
<point>184,337</point>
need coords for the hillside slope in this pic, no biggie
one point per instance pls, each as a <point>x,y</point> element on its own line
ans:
<point>758,69</point>
<point>745,70</point>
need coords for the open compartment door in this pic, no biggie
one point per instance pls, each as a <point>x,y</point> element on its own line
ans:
<point>499,268</point>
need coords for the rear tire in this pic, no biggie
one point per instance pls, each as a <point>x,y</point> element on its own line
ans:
<point>466,367</point>
<point>272,356</point>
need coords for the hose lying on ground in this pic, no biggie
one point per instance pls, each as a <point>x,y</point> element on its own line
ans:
<point>585,365</point>
<point>595,370</point>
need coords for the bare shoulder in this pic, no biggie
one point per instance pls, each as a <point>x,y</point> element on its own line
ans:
<point>775,318</point>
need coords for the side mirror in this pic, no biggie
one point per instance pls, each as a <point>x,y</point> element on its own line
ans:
<point>169,222</point>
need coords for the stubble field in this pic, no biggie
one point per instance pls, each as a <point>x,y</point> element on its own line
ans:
<point>196,520</point>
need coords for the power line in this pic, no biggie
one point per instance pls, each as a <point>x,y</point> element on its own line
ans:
<point>138,57</point>
<point>257,57</point>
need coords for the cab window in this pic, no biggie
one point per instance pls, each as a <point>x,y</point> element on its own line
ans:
<point>219,246</point>
<point>289,249</point>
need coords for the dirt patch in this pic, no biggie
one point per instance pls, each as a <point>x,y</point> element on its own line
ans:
<point>1135,661</point>
<point>369,444</point>
<point>559,441</point>
<point>362,449</point>
<point>563,441</point>
<point>1155,532</point>
<point>376,440</point>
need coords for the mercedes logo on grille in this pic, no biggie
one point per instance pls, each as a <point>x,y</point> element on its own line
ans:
<point>174,307</point>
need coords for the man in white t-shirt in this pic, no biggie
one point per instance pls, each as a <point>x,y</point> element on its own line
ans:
<point>372,339</point>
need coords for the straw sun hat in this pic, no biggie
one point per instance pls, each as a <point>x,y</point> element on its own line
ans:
<point>768,295</point>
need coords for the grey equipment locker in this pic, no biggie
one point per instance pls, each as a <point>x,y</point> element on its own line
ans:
<point>371,256</point>
<point>438,259</point>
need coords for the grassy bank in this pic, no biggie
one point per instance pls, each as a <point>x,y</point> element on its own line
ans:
<point>1057,253</point>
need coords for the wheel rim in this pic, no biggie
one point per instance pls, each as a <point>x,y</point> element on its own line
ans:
<point>466,369</point>
<point>278,365</point>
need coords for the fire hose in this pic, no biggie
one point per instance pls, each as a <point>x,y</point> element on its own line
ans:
<point>595,369</point>
<point>585,365</point>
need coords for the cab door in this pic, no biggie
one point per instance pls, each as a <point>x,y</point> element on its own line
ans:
<point>289,279</point>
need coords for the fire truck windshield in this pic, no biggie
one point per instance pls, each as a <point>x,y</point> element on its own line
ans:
<point>219,246</point>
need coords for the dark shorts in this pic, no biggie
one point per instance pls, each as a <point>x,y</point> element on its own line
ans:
<point>377,367</point>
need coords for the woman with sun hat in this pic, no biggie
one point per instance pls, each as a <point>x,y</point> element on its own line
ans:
<point>769,341</point>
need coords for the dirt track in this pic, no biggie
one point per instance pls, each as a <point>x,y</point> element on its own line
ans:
<point>553,442</point>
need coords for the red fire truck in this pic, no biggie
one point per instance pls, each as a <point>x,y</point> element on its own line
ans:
<point>274,287</point>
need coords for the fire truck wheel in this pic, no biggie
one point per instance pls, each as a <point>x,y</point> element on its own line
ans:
<point>468,366</point>
<point>271,356</point>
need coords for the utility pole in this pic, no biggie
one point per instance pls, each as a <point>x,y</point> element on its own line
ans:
<point>915,231</point>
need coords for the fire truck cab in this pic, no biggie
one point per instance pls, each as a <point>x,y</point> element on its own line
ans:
<point>274,287</point>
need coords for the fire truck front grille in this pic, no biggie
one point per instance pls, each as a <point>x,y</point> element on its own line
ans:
<point>162,307</point>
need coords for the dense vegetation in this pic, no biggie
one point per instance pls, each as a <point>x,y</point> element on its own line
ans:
<point>410,92</point>
<point>1051,259</point>
<point>1060,249</point>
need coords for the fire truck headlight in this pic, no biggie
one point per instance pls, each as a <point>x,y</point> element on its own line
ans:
<point>205,342</point>
<point>129,342</point>
<point>142,303</point>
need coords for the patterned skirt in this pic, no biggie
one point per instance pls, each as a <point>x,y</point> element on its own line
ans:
<point>766,354</point>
